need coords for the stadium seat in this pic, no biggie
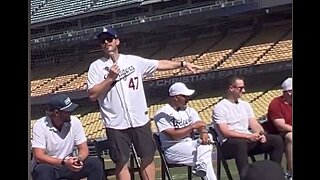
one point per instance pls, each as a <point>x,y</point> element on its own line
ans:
<point>165,166</point>
<point>100,147</point>
<point>221,158</point>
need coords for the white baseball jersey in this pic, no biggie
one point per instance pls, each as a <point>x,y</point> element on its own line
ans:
<point>57,143</point>
<point>235,115</point>
<point>167,117</point>
<point>125,104</point>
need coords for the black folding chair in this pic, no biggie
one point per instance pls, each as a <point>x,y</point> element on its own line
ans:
<point>221,158</point>
<point>101,148</point>
<point>165,166</point>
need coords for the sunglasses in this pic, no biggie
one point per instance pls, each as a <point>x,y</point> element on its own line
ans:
<point>240,88</point>
<point>108,39</point>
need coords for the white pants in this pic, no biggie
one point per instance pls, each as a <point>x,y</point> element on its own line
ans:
<point>190,152</point>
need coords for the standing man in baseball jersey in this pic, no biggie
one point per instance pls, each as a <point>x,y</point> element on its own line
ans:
<point>54,138</point>
<point>176,123</point>
<point>116,82</point>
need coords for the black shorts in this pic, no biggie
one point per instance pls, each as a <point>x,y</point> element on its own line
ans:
<point>120,142</point>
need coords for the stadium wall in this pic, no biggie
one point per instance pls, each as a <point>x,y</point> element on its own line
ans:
<point>214,79</point>
<point>258,75</point>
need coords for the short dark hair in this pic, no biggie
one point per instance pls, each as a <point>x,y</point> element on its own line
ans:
<point>232,79</point>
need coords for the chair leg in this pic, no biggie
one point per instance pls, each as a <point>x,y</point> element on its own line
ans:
<point>189,172</point>
<point>218,169</point>
<point>135,157</point>
<point>131,169</point>
<point>253,159</point>
<point>163,171</point>
<point>225,166</point>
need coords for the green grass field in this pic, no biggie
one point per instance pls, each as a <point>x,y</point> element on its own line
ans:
<point>181,172</point>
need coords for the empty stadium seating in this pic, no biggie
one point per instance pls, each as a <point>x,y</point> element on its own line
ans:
<point>218,37</point>
<point>44,10</point>
<point>243,47</point>
<point>216,52</point>
<point>203,103</point>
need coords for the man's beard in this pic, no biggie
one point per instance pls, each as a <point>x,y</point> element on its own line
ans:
<point>67,120</point>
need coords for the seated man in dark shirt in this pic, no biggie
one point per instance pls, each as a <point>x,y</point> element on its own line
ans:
<point>280,119</point>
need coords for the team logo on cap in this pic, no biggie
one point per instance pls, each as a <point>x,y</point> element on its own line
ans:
<point>67,101</point>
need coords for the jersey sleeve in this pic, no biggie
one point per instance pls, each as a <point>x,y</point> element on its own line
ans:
<point>194,115</point>
<point>162,120</point>
<point>219,115</point>
<point>249,110</point>
<point>274,111</point>
<point>147,66</point>
<point>38,136</point>
<point>80,136</point>
<point>93,77</point>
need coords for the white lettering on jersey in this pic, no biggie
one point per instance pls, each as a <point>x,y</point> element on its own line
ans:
<point>180,123</point>
<point>126,72</point>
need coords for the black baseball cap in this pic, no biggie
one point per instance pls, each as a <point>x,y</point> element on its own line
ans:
<point>107,32</point>
<point>62,102</point>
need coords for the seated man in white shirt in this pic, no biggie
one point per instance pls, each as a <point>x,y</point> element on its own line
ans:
<point>176,123</point>
<point>54,138</point>
<point>232,118</point>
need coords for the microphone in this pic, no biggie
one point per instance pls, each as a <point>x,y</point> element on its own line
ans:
<point>111,55</point>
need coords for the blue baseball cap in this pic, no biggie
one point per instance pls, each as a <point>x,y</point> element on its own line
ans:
<point>62,102</point>
<point>107,32</point>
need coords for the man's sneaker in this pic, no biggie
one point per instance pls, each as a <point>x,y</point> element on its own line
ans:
<point>200,170</point>
<point>288,176</point>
